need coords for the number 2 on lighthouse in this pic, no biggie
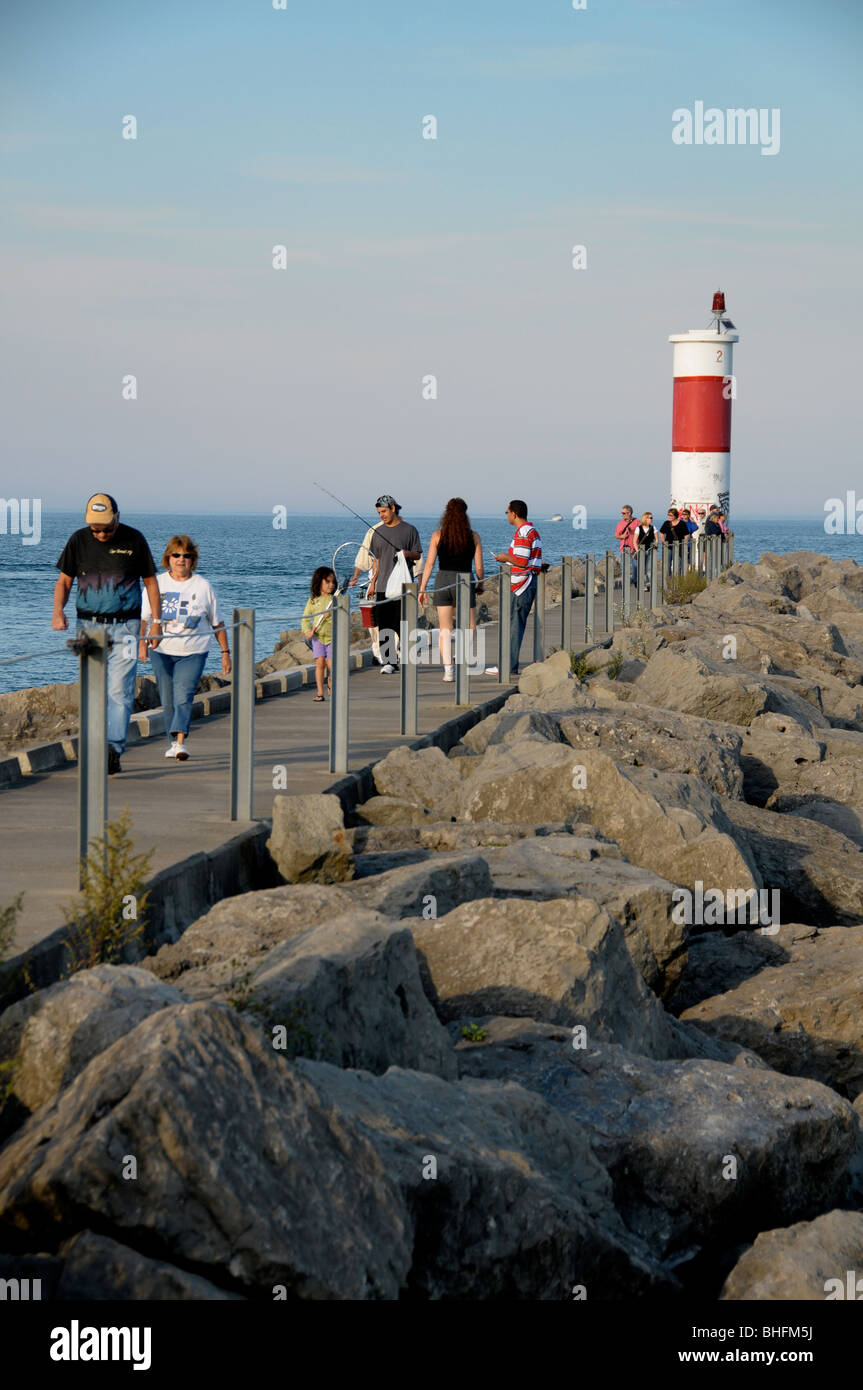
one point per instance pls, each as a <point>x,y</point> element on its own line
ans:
<point>719,354</point>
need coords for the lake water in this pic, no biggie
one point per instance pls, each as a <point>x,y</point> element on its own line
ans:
<point>253,565</point>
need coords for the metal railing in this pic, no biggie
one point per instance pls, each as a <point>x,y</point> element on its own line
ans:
<point>706,555</point>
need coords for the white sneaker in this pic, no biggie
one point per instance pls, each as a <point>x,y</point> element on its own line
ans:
<point>182,753</point>
<point>388,670</point>
<point>491,671</point>
<point>449,673</point>
<point>172,751</point>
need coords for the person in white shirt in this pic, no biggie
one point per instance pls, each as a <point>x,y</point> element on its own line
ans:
<point>190,615</point>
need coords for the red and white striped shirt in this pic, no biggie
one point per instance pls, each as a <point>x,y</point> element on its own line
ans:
<point>526,549</point>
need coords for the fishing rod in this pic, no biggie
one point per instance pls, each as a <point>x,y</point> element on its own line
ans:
<point>373,525</point>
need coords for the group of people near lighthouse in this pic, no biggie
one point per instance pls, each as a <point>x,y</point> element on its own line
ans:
<point>170,618</point>
<point>636,534</point>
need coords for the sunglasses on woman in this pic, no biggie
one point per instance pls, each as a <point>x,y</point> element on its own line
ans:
<point>181,555</point>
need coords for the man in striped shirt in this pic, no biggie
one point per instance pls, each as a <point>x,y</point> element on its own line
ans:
<point>525,559</point>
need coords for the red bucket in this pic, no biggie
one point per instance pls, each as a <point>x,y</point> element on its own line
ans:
<point>366,610</point>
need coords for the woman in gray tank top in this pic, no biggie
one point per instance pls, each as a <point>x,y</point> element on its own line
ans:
<point>457,549</point>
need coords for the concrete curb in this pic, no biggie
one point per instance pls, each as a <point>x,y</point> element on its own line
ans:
<point>147,724</point>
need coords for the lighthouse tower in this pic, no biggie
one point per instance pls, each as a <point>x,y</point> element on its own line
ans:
<point>704,387</point>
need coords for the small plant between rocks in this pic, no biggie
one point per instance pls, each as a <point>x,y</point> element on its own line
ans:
<point>110,915</point>
<point>615,666</point>
<point>471,1032</point>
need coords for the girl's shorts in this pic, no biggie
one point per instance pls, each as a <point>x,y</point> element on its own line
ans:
<point>321,648</point>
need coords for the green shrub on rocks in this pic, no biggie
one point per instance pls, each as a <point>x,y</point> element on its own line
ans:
<point>682,588</point>
<point>110,914</point>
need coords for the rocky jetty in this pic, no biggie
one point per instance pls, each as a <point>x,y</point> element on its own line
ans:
<point>573,1010</point>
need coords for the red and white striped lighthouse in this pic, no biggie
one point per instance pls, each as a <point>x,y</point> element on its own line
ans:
<point>704,388</point>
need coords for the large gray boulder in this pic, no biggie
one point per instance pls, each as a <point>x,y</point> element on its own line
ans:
<point>424,776</point>
<point>817,871</point>
<point>662,739</point>
<point>320,1182</point>
<point>562,961</point>
<point>681,680</point>
<point>346,992</point>
<point>406,890</point>
<point>639,900</point>
<point>52,1035</point>
<point>716,962</point>
<point>98,1268</point>
<point>308,841</point>
<point>231,939</point>
<point>684,842</point>
<point>803,1015</point>
<point>701,1154</point>
<point>543,676</point>
<point>807,1262</point>
<point>771,756</point>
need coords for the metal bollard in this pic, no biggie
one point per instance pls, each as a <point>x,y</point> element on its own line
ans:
<point>92,649</point>
<point>243,714</point>
<point>589,600</point>
<point>566,603</point>
<point>539,617</point>
<point>460,636</point>
<point>609,591</point>
<point>408,673</point>
<point>640,576</point>
<point>655,581</point>
<point>341,676</point>
<point>504,624</point>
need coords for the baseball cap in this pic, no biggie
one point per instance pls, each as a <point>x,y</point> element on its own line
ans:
<point>101,508</point>
<point>385,500</point>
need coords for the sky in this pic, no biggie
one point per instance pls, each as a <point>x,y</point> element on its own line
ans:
<point>408,257</point>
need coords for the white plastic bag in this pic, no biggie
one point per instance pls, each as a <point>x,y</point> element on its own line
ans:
<point>399,575</point>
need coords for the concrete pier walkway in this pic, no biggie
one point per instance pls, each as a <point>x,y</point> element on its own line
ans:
<point>178,809</point>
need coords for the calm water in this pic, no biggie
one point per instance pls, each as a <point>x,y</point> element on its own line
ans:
<point>252,565</point>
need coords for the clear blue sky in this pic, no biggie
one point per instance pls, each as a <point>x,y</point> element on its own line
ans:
<point>406,256</point>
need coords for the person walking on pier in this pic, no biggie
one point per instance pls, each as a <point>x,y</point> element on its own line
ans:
<point>190,615</point>
<point>457,549</point>
<point>525,560</point>
<point>109,561</point>
<point>395,536</point>
<point>318,624</point>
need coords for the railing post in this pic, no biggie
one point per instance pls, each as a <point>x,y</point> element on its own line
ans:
<point>92,741</point>
<point>460,636</point>
<point>504,623</point>
<point>341,675</point>
<point>655,580</point>
<point>408,673</point>
<point>730,539</point>
<point>625,582</point>
<point>609,591</point>
<point>539,617</point>
<point>566,603</point>
<point>243,714</point>
<point>589,600</point>
<point>640,576</point>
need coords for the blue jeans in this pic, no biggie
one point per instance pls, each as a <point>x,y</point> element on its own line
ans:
<point>122,670</point>
<point>177,678</point>
<point>519,611</point>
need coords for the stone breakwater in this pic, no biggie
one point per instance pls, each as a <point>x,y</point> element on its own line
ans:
<point>470,1049</point>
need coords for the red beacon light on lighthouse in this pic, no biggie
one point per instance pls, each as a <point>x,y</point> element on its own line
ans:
<point>701,430</point>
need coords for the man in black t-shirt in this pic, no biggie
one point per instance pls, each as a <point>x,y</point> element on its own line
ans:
<point>386,542</point>
<point>109,560</point>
